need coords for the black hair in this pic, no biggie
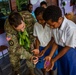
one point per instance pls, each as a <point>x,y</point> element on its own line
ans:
<point>52,12</point>
<point>42,3</point>
<point>29,5</point>
<point>15,19</point>
<point>39,10</point>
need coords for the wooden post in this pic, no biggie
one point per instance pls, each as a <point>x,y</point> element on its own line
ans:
<point>13,5</point>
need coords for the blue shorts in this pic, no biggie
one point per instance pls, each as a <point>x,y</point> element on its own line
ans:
<point>40,64</point>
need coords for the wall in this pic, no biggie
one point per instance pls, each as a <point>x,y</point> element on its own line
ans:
<point>67,7</point>
<point>51,2</point>
<point>36,3</point>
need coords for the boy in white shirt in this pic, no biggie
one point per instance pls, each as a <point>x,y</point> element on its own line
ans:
<point>44,39</point>
<point>64,32</point>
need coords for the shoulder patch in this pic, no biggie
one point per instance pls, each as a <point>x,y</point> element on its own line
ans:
<point>8,38</point>
<point>11,43</point>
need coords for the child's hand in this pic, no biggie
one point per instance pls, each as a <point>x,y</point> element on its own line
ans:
<point>35,51</point>
<point>47,59</point>
<point>49,65</point>
<point>34,59</point>
<point>41,53</point>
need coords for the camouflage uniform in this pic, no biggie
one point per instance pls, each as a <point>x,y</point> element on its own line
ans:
<point>30,21</point>
<point>16,52</point>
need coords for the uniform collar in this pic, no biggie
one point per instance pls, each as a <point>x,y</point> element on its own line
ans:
<point>63,23</point>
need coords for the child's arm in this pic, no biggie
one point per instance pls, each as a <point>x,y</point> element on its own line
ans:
<point>49,44</point>
<point>37,43</point>
<point>54,48</point>
<point>36,50</point>
<point>61,53</point>
<point>48,58</point>
<point>52,61</point>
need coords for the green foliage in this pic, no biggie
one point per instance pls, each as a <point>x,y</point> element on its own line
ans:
<point>20,2</point>
<point>4,6</point>
<point>24,40</point>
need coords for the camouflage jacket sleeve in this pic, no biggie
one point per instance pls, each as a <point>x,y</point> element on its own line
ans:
<point>14,47</point>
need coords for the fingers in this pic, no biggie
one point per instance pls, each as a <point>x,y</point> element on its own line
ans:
<point>35,60</point>
<point>47,62</point>
<point>46,59</point>
<point>45,65</point>
<point>49,66</point>
<point>52,64</point>
<point>48,69</point>
<point>35,51</point>
<point>41,54</point>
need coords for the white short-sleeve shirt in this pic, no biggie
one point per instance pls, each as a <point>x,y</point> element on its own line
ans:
<point>66,35</point>
<point>43,34</point>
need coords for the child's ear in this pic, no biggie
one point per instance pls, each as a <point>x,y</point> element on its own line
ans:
<point>60,19</point>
